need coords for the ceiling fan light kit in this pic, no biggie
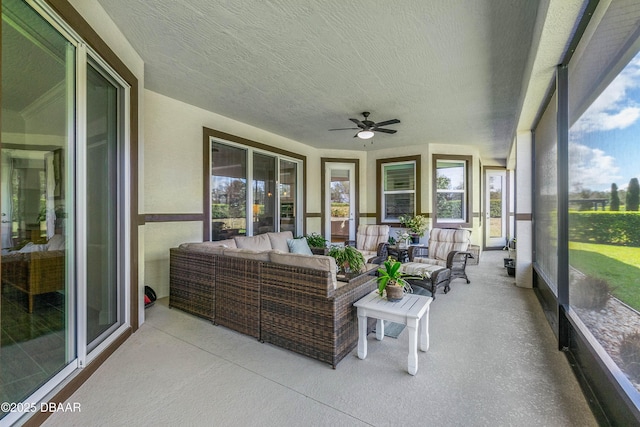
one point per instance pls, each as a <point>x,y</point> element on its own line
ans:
<point>365,134</point>
<point>367,128</point>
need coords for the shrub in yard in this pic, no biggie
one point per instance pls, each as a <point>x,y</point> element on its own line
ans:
<point>630,355</point>
<point>590,292</point>
<point>633,195</point>
<point>614,204</point>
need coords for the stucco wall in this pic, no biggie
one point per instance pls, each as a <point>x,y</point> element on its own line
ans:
<point>102,24</point>
<point>173,176</point>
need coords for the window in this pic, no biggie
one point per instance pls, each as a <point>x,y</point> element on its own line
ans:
<point>451,184</point>
<point>604,195</point>
<point>251,190</point>
<point>399,184</point>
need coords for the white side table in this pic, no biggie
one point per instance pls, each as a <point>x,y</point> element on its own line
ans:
<point>412,310</point>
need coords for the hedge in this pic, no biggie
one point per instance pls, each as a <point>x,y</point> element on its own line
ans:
<point>609,228</point>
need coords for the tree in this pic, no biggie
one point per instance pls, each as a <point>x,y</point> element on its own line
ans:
<point>633,195</point>
<point>614,203</point>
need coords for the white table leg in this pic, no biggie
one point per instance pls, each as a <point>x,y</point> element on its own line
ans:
<point>412,363</point>
<point>424,331</point>
<point>362,336</point>
<point>379,329</point>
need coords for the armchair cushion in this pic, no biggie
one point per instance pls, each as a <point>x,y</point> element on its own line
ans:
<point>444,240</point>
<point>369,237</point>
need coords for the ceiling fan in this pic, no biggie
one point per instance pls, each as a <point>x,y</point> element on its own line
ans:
<point>367,128</point>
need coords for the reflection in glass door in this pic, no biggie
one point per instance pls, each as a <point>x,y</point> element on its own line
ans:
<point>340,202</point>
<point>37,134</point>
<point>264,195</point>
<point>495,208</point>
<point>104,300</point>
<point>288,195</point>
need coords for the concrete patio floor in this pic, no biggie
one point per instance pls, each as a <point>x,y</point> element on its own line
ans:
<point>492,362</point>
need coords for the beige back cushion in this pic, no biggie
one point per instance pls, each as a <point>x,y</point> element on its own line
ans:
<point>247,254</point>
<point>279,240</point>
<point>216,247</point>
<point>370,236</point>
<point>260,242</point>
<point>314,262</point>
<point>444,240</point>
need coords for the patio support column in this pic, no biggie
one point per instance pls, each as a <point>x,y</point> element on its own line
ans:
<point>523,209</point>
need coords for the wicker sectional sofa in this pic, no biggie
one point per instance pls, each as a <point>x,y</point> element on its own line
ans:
<point>291,300</point>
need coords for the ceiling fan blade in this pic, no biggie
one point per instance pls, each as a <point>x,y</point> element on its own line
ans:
<point>358,123</point>
<point>345,129</point>
<point>388,122</point>
<point>386,130</point>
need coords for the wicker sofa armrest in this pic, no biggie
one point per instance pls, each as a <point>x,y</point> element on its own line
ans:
<point>300,311</point>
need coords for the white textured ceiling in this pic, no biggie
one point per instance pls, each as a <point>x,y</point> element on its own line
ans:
<point>453,71</point>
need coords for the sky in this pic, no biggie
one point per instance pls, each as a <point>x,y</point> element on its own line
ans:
<point>604,144</point>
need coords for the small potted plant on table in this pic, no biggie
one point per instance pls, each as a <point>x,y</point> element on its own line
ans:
<point>391,280</point>
<point>417,225</point>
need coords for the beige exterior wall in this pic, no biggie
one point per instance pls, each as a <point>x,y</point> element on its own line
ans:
<point>102,24</point>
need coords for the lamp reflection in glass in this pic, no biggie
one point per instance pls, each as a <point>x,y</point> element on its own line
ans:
<point>365,134</point>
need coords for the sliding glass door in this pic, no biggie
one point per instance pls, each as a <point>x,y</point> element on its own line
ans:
<point>63,204</point>
<point>37,295</point>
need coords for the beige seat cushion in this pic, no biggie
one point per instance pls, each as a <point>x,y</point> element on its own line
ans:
<point>314,262</point>
<point>419,269</point>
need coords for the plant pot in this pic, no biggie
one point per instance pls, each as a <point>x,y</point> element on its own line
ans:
<point>415,239</point>
<point>394,293</point>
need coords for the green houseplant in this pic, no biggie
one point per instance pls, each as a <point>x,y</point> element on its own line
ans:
<point>417,225</point>
<point>348,258</point>
<point>316,240</point>
<point>391,279</point>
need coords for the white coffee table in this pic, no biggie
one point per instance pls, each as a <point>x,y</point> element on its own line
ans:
<point>412,310</point>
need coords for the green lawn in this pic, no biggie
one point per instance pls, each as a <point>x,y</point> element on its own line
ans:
<point>618,265</point>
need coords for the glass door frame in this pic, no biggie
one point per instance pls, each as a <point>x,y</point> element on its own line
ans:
<point>77,354</point>
<point>353,165</point>
<point>498,242</point>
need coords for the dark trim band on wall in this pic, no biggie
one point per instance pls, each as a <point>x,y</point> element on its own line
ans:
<point>524,217</point>
<point>313,215</point>
<point>173,217</point>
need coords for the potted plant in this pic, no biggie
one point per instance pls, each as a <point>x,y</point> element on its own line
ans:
<point>417,225</point>
<point>391,279</point>
<point>317,243</point>
<point>348,259</point>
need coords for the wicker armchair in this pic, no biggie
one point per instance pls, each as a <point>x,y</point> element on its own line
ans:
<point>447,248</point>
<point>35,273</point>
<point>368,239</point>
